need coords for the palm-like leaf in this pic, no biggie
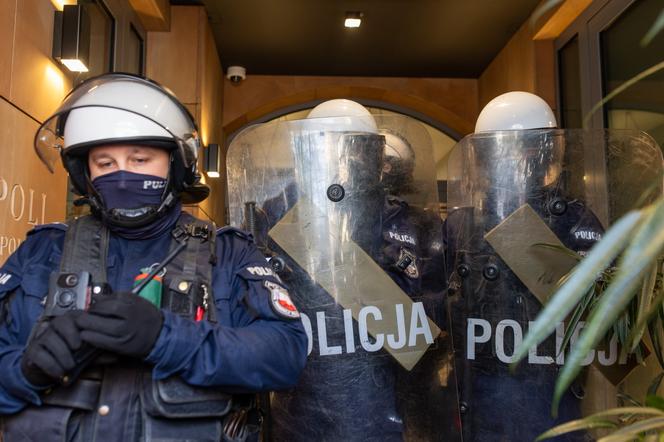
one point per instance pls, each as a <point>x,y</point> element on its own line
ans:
<point>633,431</point>
<point>649,305</point>
<point>645,248</point>
<point>581,279</point>
<point>601,420</point>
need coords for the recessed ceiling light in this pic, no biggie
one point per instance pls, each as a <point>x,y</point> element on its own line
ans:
<point>353,19</point>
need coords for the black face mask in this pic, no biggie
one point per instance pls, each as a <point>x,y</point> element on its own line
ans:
<point>128,195</point>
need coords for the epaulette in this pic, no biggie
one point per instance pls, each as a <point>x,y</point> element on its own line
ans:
<point>234,230</point>
<point>57,226</point>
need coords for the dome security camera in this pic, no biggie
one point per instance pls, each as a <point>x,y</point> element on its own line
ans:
<point>236,73</point>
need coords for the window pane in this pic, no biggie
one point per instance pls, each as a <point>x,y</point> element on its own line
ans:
<point>135,52</point>
<point>102,26</point>
<point>570,84</point>
<point>640,106</point>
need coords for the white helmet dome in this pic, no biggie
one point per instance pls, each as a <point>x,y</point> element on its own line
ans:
<point>97,124</point>
<point>116,108</point>
<point>341,115</point>
<point>515,111</point>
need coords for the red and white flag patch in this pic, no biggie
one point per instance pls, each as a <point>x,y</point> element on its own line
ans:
<point>281,301</point>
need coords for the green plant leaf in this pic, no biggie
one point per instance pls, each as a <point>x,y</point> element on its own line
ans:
<point>583,276</point>
<point>562,249</point>
<point>654,29</point>
<point>635,79</point>
<point>626,397</point>
<point>600,420</point>
<point>576,317</point>
<point>654,401</point>
<point>576,426</point>
<point>632,431</point>
<point>644,249</point>
<point>654,189</point>
<point>654,385</point>
<point>621,411</point>
<point>655,328</point>
<point>648,309</point>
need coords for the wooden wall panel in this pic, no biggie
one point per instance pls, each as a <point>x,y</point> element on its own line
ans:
<point>185,60</point>
<point>7,18</point>
<point>522,65</point>
<point>173,57</point>
<point>211,94</point>
<point>37,83</point>
<point>29,195</point>
<point>125,17</point>
<point>560,20</point>
<point>154,14</point>
<point>452,101</point>
<point>210,120</point>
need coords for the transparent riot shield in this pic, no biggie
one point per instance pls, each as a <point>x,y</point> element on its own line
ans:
<point>365,265</point>
<point>517,200</point>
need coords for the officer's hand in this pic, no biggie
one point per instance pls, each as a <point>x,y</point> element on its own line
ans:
<point>51,353</point>
<point>123,323</point>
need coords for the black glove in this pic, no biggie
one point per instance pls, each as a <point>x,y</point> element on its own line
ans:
<point>51,352</point>
<point>123,323</point>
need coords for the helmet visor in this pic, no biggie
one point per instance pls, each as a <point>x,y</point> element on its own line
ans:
<point>126,93</point>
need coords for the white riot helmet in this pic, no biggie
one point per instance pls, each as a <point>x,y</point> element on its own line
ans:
<point>123,109</point>
<point>515,111</point>
<point>338,153</point>
<point>533,126</point>
<point>342,114</point>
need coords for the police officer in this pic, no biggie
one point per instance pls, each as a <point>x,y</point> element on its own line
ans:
<point>100,360</point>
<point>355,244</point>
<point>412,251</point>
<point>414,257</point>
<point>515,157</point>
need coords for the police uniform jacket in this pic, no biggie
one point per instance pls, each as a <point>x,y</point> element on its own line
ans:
<point>250,348</point>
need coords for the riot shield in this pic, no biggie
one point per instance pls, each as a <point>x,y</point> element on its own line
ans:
<point>366,270</point>
<point>518,199</point>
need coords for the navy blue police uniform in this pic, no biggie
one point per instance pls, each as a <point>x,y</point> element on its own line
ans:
<point>413,255</point>
<point>250,347</point>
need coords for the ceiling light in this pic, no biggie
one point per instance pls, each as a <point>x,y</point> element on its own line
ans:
<point>353,19</point>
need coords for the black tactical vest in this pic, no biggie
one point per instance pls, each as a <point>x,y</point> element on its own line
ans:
<point>120,401</point>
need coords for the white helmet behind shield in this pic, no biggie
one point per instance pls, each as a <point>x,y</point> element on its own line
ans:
<point>515,111</point>
<point>341,115</point>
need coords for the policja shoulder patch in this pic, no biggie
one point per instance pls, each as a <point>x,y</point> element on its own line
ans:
<point>280,301</point>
